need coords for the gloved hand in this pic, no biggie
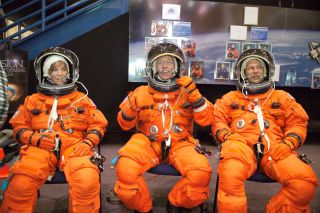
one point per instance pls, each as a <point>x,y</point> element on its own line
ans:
<point>43,140</point>
<point>191,88</point>
<point>82,149</point>
<point>187,83</point>
<point>130,107</point>
<point>280,151</point>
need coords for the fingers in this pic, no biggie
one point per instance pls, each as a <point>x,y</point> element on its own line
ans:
<point>47,144</point>
<point>82,149</point>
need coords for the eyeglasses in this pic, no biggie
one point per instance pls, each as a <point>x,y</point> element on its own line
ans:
<point>252,68</point>
<point>161,63</point>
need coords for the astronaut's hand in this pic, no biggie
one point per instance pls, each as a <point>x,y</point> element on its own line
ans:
<point>187,83</point>
<point>280,151</point>
<point>130,107</point>
<point>43,140</point>
<point>82,149</point>
<point>194,95</point>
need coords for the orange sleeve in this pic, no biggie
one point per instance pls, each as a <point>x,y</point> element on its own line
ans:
<point>21,121</point>
<point>127,117</point>
<point>203,115</point>
<point>296,118</point>
<point>97,123</point>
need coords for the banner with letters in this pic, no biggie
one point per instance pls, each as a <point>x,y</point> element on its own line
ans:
<point>15,64</point>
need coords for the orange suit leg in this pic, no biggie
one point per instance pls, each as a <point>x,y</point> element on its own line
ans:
<point>235,166</point>
<point>83,179</point>
<point>193,188</point>
<point>298,181</point>
<point>130,186</point>
<point>28,175</point>
<point>136,157</point>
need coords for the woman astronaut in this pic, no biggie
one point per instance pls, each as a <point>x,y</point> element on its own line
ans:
<point>259,129</point>
<point>163,113</point>
<point>58,127</point>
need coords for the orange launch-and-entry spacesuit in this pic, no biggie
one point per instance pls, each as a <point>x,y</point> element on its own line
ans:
<point>163,113</point>
<point>260,127</point>
<point>62,119</point>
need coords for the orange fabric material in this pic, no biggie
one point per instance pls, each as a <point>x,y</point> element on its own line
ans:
<point>289,118</point>
<point>150,104</point>
<point>236,165</point>
<point>4,170</point>
<point>83,179</point>
<point>238,161</point>
<point>37,164</point>
<point>159,115</point>
<point>139,155</point>
<point>13,200</point>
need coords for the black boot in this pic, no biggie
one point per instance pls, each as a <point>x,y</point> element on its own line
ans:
<point>135,211</point>
<point>173,209</point>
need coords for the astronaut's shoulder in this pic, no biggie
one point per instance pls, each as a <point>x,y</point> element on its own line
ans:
<point>33,98</point>
<point>141,89</point>
<point>285,95</point>
<point>230,95</point>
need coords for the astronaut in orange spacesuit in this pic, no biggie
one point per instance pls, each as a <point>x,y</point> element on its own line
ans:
<point>163,113</point>
<point>259,129</point>
<point>57,127</point>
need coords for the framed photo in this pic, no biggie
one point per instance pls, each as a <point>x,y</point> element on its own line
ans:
<point>149,42</point>
<point>315,81</point>
<point>181,29</point>
<point>248,46</point>
<point>232,50</point>
<point>222,70</point>
<point>189,47</point>
<point>171,11</point>
<point>161,28</point>
<point>265,46</point>
<point>233,74</point>
<point>259,33</point>
<point>196,69</point>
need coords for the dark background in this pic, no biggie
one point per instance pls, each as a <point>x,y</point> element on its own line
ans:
<point>103,55</point>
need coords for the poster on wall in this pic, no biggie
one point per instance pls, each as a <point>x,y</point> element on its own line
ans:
<point>15,63</point>
<point>204,36</point>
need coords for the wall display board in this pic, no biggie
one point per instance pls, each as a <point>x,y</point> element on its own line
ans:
<point>15,63</point>
<point>212,35</point>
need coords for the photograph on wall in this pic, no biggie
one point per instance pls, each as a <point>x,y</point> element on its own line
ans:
<point>238,33</point>
<point>222,70</point>
<point>290,76</point>
<point>181,29</point>
<point>196,69</point>
<point>15,63</point>
<point>233,74</point>
<point>248,46</point>
<point>171,11</point>
<point>315,82</point>
<point>210,32</point>
<point>265,46</point>
<point>150,41</point>
<point>189,47</point>
<point>232,50</point>
<point>171,40</point>
<point>259,33</point>
<point>161,28</point>
<point>140,70</point>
